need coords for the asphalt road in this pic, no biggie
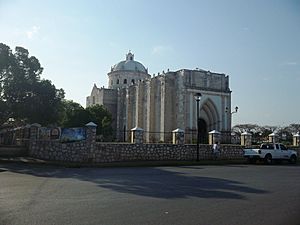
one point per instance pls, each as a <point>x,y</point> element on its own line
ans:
<point>229,195</point>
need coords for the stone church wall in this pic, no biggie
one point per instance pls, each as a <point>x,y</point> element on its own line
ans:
<point>122,79</point>
<point>170,109</point>
<point>155,108</point>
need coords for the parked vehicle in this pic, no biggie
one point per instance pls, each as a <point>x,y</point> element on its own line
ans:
<point>269,152</point>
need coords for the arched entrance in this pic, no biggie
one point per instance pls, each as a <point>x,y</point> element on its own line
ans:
<point>203,132</point>
<point>210,115</point>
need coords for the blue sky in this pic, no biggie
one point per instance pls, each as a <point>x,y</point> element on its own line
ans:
<point>256,43</point>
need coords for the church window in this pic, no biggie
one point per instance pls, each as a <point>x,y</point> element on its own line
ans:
<point>94,100</point>
<point>132,81</point>
<point>111,82</point>
<point>125,81</point>
<point>118,81</point>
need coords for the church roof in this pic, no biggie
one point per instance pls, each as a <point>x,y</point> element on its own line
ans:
<point>129,65</point>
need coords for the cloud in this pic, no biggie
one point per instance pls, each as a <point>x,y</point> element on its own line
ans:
<point>161,49</point>
<point>33,31</point>
<point>266,78</point>
<point>290,63</point>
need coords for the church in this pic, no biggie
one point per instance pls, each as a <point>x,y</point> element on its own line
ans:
<point>164,102</point>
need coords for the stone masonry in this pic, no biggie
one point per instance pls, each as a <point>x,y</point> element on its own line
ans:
<point>90,151</point>
<point>123,152</point>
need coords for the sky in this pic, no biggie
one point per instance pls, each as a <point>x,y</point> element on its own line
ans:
<point>256,43</point>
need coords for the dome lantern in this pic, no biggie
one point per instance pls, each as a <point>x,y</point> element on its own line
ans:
<point>129,56</point>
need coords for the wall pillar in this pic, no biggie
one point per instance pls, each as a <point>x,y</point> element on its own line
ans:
<point>296,139</point>
<point>273,138</point>
<point>91,129</point>
<point>178,137</point>
<point>137,135</point>
<point>34,131</point>
<point>213,137</point>
<point>246,139</point>
<point>33,136</point>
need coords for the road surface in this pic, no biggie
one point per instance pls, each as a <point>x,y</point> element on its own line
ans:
<point>237,194</point>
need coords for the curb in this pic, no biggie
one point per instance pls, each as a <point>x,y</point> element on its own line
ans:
<point>35,161</point>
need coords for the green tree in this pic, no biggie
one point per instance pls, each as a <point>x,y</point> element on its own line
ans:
<point>24,96</point>
<point>74,115</point>
<point>6,59</point>
<point>4,113</point>
<point>102,117</point>
<point>293,128</point>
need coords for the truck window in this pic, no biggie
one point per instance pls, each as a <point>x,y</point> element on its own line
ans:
<point>267,146</point>
<point>263,147</point>
<point>277,146</point>
<point>283,147</point>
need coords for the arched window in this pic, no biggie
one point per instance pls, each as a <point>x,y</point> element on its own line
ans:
<point>125,81</point>
<point>111,82</point>
<point>132,81</point>
<point>118,81</point>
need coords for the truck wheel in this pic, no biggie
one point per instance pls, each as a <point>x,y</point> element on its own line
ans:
<point>268,159</point>
<point>293,159</point>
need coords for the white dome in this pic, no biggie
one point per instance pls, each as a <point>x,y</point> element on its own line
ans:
<point>129,65</point>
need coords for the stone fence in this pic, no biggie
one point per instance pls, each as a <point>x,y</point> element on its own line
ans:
<point>125,152</point>
<point>88,150</point>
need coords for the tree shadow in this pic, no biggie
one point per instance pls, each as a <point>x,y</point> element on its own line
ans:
<point>156,182</point>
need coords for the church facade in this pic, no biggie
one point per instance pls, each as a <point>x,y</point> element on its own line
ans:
<point>164,102</point>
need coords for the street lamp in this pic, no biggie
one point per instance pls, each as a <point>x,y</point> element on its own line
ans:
<point>236,110</point>
<point>197,97</point>
<point>228,138</point>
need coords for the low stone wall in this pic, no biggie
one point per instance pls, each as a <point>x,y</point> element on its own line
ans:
<point>89,150</point>
<point>160,152</point>
<point>57,151</point>
<point>13,151</point>
<point>123,152</point>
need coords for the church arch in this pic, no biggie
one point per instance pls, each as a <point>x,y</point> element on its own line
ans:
<point>209,111</point>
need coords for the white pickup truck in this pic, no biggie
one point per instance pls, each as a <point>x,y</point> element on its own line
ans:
<point>269,152</point>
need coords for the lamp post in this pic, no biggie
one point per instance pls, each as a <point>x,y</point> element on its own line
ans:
<point>228,136</point>
<point>236,110</point>
<point>197,97</point>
